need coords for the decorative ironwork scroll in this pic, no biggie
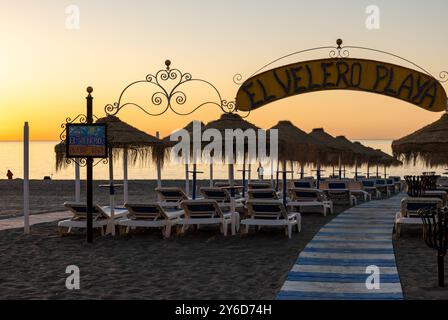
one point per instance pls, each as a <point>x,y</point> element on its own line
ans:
<point>169,94</point>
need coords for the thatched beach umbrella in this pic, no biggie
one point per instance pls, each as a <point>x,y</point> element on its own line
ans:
<point>339,153</point>
<point>386,160</point>
<point>189,128</point>
<point>232,121</point>
<point>360,153</point>
<point>429,144</point>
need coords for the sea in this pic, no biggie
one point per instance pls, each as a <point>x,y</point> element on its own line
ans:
<point>43,163</point>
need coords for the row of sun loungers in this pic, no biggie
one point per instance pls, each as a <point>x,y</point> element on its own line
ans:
<point>263,206</point>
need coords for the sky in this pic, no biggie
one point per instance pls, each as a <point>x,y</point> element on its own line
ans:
<point>45,67</point>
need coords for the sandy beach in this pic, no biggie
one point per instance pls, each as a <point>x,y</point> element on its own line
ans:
<point>198,265</point>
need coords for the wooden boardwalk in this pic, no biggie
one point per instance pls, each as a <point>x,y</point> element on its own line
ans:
<point>17,222</point>
<point>333,266</point>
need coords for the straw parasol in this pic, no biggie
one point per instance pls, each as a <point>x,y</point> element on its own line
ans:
<point>167,140</point>
<point>338,150</point>
<point>429,144</point>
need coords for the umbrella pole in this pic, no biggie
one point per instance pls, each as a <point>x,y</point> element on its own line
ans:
<point>249,173</point>
<point>292,171</point>
<point>284,182</point>
<point>318,174</point>
<point>187,181</point>
<point>356,169</point>
<point>194,181</point>
<point>340,167</point>
<point>302,171</point>
<point>344,171</point>
<point>244,175</point>
<point>377,171</point>
<point>385,172</point>
<point>368,170</point>
<point>159,167</point>
<point>232,196</point>
<point>77,183</point>
<point>111,193</point>
<point>272,172</point>
<point>333,172</point>
<point>125,176</point>
<point>211,174</point>
<point>276,176</point>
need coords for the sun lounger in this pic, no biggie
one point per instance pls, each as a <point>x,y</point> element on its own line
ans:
<point>171,197</point>
<point>271,213</point>
<point>369,186</point>
<point>381,186</point>
<point>338,192</point>
<point>303,197</point>
<point>101,216</point>
<point>151,215</point>
<point>262,194</point>
<point>391,186</point>
<point>207,212</point>
<point>397,182</point>
<point>259,185</point>
<point>443,195</point>
<point>304,183</point>
<point>357,189</point>
<point>410,206</point>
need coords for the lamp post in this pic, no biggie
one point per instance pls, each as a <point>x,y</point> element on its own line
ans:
<point>89,160</point>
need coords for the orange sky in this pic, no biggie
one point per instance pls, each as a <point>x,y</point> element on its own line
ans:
<point>45,68</point>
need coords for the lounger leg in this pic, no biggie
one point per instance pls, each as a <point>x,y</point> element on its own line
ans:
<point>246,229</point>
<point>224,226</point>
<point>289,231</point>
<point>168,230</point>
<point>69,229</point>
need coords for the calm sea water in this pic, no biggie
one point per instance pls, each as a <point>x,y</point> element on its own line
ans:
<point>42,163</point>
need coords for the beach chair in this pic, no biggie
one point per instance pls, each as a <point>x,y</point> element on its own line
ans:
<point>171,197</point>
<point>259,185</point>
<point>382,187</point>
<point>357,189</point>
<point>262,194</point>
<point>397,182</point>
<point>222,196</point>
<point>101,217</point>
<point>304,183</point>
<point>338,192</point>
<point>391,186</point>
<point>443,195</point>
<point>225,185</point>
<point>310,198</point>
<point>151,215</point>
<point>410,206</point>
<point>271,213</point>
<point>369,186</point>
<point>207,212</point>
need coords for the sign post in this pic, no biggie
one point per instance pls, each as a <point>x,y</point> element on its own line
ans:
<point>87,141</point>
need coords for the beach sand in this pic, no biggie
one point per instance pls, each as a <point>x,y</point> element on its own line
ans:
<point>199,265</point>
<point>417,266</point>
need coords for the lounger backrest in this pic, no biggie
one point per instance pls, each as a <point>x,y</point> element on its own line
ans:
<point>148,211</point>
<point>79,211</point>
<point>337,185</point>
<point>380,182</point>
<point>304,194</point>
<point>263,194</point>
<point>266,210</point>
<point>171,194</point>
<point>218,194</point>
<point>389,181</point>
<point>303,184</point>
<point>355,185</point>
<point>259,185</point>
<point>368,183</point>
<point>197,209</point>
<point>411,206</point>
<point>395,179</point>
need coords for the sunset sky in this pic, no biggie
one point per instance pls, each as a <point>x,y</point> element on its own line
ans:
<point>45,67</point>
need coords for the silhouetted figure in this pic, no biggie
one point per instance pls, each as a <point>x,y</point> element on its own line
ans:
<point>9,174</point>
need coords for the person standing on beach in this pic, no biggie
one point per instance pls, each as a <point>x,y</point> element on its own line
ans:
<point>9,174</point>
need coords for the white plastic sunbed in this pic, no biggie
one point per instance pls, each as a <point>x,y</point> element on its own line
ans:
<point>304,197</point>
<point>101,216</point>
<point>271,213</point>
<point>151,215</point>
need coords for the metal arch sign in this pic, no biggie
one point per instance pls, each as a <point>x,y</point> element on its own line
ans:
<point>373,76</point>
